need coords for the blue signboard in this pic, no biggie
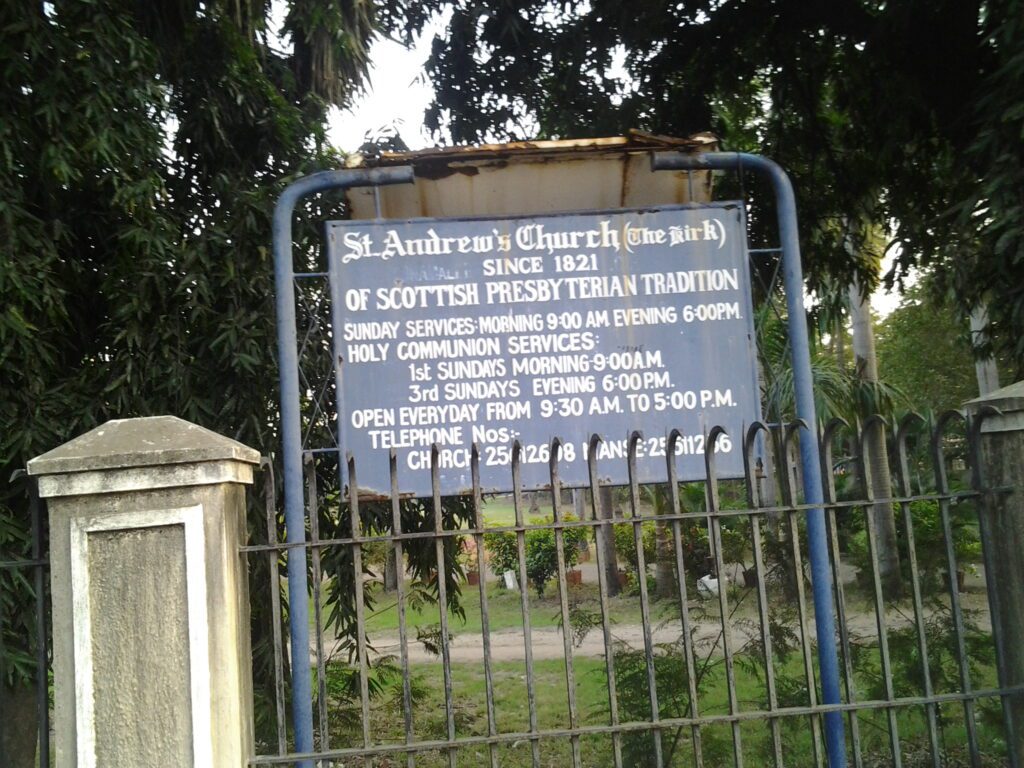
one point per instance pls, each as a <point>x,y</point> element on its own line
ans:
<point>456,331</point>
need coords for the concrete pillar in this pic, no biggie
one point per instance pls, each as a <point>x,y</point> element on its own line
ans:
<point>1002,466</point>
<point>151,654</point>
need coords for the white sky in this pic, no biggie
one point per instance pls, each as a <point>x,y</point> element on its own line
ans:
<point>398,94</point>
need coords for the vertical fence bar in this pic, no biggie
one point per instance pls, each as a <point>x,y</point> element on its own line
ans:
<point>715,539</point>
<point>442,599</point>
<point>876,581</point>
<point>672,475</point>
<point>563,599</point>
<point>524,598</point>
<point>357,598</point>
<point>42,653</point>
<point>403,633</point>
<point>791,432</point>
<point>753,502</point>
<point>906,489</point>
<point>837,577</point>
<point>645,607</point>
<point>318,625</point>
<point>602,530</point>
<point>942,488</point>
<point>485,622</point>
<point>273,555</point>
<point>974,423</point>
<point>4,760</point>
<point>817,543</point>
<point>38,564</point>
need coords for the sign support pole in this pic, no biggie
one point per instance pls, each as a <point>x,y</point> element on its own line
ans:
<point>817,543</point>
<point>291,431</point>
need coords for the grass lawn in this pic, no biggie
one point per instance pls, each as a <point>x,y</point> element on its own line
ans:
<point>501,511</point>
<point>503,606</point>
<point>512,713</point>
<point>470,712</point>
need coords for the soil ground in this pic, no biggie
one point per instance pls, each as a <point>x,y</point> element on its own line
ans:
<point>508,644</point>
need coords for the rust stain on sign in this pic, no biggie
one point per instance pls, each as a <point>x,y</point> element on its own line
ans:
<point>530,177</point>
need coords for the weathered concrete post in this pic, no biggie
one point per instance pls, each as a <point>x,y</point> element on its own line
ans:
<point>150,600</point>
<point>1002,465</point>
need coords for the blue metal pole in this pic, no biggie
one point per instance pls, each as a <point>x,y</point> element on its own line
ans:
<point>291,429</point>
<point>817,543</point>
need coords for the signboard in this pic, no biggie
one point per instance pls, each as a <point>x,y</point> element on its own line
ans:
<point>501,329</point>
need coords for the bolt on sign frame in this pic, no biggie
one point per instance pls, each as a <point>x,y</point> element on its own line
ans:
<point>819,505</point>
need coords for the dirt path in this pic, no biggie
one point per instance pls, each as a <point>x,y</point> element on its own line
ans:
<point>508,644</point>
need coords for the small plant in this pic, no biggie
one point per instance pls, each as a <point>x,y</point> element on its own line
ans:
<point>501,552</point>
<point>734,545</point>
<point>468,557</point>
<point>343,690</point>
<point>929,543</point>
<point>625,546</point>
<point>542,558</point>
<point>431,638</point>
<point>671,673</point>
<point>541,553</point>
<point>696,550</point>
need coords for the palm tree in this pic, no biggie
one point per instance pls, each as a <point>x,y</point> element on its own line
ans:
<point>837,393</point>
<point>877,458</point>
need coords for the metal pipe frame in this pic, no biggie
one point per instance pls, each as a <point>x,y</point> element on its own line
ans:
<point>291,432</point>
<point>827,713</point>
<point>817,538</point>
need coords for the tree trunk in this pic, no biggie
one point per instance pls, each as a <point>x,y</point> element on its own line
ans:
<point>579,506</point>
<point>767,488</point>
<point>839,345</point>
<point>19,729</point>
<point>606,540</point>
<point>849,448</point>
<point>534,506</point>
<point>664,570</point>
<point>984,368</point>
<point>390,572</point>
<point>877,458</point>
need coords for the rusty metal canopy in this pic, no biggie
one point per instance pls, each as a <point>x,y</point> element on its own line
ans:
<point>533,177</point>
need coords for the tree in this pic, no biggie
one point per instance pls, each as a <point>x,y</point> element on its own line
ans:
<point>877,454</point>
<point>604,538</point>
<point>141,150</point>
<point>924,350</point>
<point>905,113</point>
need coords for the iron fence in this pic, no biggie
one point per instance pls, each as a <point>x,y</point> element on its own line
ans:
<point>24,631</point>
<point>719,670</point>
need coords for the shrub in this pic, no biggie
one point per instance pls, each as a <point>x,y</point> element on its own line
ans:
<point>541,558</point>
<point>929,542</point>
<point>625,547</point>
<point>734,545</point>
<point>501,549</point>
<point>696,549</point>
<point>541,552</point>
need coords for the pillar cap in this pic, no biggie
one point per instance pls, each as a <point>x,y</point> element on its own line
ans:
<point>144,442</point>
<point>1010,402</point>
<point>1006,399</point>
